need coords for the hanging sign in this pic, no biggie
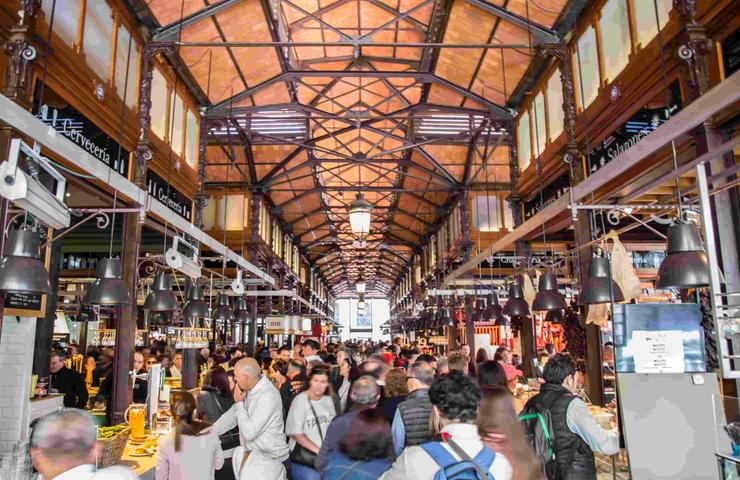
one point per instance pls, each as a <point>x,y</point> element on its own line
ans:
<point>658,351</point>
<point>23,301</point>
<point>639,126</point>
<point>168,195</point>
<point>59,115</point>
<point>550,193</point>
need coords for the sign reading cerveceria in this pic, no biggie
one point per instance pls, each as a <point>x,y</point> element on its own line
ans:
<point>59,115</point>
<point>173,199</point>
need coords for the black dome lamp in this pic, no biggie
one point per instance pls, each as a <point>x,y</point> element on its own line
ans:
<point>516,305</point>
<point>161,298</point>
<point>595,288</point>
<point>241,313</point>
<point>21,269</point>
<point>493,311</point>
<point>108,288</point>
<point>548,297</point>
<point>223,311</point>
<point>196,307</point>
<point>685,264</point>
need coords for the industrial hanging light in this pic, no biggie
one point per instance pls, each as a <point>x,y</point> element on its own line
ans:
<point>359,216</point>
<point>161,298</point>
<point>360,285</point>
<point>595,288</point>
<point>86,314</point>
<point>555,316</point>
<point>493,311</point>
<point>196,307</point>
<point>223,311</point>
<point>548,297</point>
<point>21,270</point>
<point>241,313</point>
<point>480,307</point>
<point>108,288</point>
<point>516,305</point>
<point>685,264</point>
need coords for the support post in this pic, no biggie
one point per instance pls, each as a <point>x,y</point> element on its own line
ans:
<point>582,229</point>
<point>127,314</point>
<point>45,329</point>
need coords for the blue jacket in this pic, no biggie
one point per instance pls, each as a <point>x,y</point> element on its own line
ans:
<point>333,435</point>
<point>341,467</point>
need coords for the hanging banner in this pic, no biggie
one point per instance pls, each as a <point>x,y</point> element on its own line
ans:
<point>63,118</point>
<point>169,196</point>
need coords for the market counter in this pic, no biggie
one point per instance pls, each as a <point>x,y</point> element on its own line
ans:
<point>143,467</point>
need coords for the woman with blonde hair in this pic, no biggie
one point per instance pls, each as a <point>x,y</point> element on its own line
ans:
<point>186,453</point>
<point>500,430</point>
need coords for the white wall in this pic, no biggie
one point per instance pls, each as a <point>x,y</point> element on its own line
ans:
<point>347,310</point>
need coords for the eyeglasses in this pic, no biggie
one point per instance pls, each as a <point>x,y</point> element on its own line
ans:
<point>150,363</point>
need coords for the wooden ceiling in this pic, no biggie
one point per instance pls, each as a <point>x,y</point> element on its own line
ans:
<point>316,100</point>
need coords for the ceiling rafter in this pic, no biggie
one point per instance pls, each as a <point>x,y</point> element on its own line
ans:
<point>171,32</point>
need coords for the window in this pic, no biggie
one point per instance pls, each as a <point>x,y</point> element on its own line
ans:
<point>615,37</point>
<point>66,18</point>
<point>234,205</point>
<point>508,216</point>
<point>191,140</point>
<point>555,115</point>
<point>159,104</point>
<point>587,63</point>
<point>524,142</point>
<point>487,213</point>
<point>176,130</point>
<point>127,58</point>
<point>644,13</point>
<point>540,133</point>
<point>97,37</point>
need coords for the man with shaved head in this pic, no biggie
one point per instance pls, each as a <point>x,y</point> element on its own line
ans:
<point>260,420</point>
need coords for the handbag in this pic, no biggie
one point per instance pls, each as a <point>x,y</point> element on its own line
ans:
<point>229,439</point>
<point>301,454</point>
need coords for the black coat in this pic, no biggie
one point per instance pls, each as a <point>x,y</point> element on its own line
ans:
<point>70,383</point>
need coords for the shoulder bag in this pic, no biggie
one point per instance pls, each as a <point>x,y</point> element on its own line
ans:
<point>229,439</point>
<point>301,454</point>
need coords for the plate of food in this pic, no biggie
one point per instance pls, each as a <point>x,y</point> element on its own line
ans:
<point>141,452</point>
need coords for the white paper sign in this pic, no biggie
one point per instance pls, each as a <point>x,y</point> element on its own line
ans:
<point>658,351</point>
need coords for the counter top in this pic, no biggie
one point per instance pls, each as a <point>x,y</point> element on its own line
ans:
<point>143,467</point>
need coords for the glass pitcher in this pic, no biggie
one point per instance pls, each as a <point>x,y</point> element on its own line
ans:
<point>135,417</point>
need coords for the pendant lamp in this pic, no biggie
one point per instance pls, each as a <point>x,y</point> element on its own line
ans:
<point>555,316</point>
<point>223,311</point>
<point>359,215</point>
<point>595,288</point>
<point>108,288</point>
<point>548,297</point>
<point>685,264</point>
<point>241,313</point>
<point>479,309</point>
<point>21,269</point>
<point>87,314</point>
<point>493,311</point>
<point>196,307</point>
<point>516,305</point>
<point>161,298</point>
<point>360,285</point>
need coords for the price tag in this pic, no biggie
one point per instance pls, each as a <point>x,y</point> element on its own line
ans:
<point>658,351</point>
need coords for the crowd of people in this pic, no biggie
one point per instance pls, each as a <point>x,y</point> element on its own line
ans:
<point>358,411</point>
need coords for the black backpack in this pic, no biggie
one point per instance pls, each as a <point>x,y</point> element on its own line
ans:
<point>538,428</point>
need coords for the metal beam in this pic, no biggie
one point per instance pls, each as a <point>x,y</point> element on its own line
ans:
<point>539,33</point>
<point>172,31</point>
<point>498,112</point>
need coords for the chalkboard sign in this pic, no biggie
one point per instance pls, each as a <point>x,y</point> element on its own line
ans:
<point>23,301</point>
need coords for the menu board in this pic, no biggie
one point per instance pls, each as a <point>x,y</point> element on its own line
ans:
<point>658,351</point>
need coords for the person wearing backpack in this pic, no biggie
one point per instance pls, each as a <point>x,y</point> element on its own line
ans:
<point>562,431</point>
<point>461,454</point>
